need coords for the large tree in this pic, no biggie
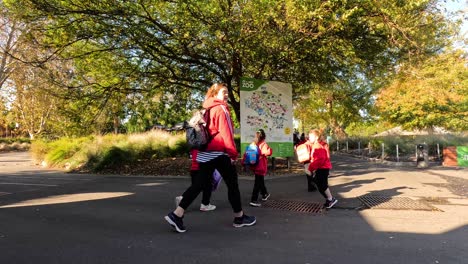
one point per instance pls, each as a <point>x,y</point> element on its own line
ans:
<point>430,93</point>
<point>190,44</point>
<point>336,107</point>
<point>9,31</point>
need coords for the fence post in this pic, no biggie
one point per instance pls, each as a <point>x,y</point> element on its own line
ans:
<point>438,152</point>
<point>337,146</point>
<point>397,156</point>
<point>416,153</point>
<point>346,145</point>
<point>383,151</point>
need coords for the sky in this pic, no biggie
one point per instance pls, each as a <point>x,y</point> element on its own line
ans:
<point>462,7</point>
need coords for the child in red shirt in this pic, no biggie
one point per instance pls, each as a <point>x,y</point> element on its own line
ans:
<point>260,169</point>
<point>320,166</point>
<point>194,170</point>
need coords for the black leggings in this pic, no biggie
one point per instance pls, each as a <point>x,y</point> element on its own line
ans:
<point>259,187</point>
<point>229,174</point>
<point>207,189</point>
<point>321,180</point>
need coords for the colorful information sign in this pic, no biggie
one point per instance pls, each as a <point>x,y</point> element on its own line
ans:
<point>267,105</point>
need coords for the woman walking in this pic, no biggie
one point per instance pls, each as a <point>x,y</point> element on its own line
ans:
<point>220,154</point>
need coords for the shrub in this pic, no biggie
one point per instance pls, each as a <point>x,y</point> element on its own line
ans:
<point>14,144</point>
<point>100,152</point>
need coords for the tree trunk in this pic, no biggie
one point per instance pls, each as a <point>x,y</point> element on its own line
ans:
<point>116,125</point>
<point>338,131</point>
<point>31,135</point>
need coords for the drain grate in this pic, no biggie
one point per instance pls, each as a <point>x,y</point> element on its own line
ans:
<point>395,203</point>
<point>296,206</point>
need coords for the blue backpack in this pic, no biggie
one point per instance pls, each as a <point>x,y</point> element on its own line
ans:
<point>252,155</point>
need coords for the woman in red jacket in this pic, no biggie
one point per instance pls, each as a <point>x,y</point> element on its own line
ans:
<point>320,166</point>
<point>260,169</point>
<point>220,154</point>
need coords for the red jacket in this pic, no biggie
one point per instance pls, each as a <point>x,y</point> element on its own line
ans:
<point>220,126</point>
<point>320,157</point>
<point>261,167</point>
<point>195,166</point>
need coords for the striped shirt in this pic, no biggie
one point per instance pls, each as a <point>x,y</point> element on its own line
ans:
<point>205,156</point>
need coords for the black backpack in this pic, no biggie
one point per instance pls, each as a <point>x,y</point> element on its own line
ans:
<point>196,132</point>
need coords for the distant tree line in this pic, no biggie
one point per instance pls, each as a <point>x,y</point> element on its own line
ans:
<point>72,68</point>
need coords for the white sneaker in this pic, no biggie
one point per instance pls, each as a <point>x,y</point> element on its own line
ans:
<point>208,207</point>
<point>265,197</point>
<point>177,200</point>
<point>255,204</point>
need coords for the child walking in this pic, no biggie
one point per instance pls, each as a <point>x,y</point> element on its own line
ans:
<point>260,169</point>
<point>320,166</point>
<point>207,189</point>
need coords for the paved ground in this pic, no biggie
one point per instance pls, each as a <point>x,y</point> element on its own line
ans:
<point>48,216</point>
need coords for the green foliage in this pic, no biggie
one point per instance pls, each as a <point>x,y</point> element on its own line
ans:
<point>341,105</point>
<point>127,55</point>
<point>13,140</point>
<point>366,129</point>
<point>14,144</point>
<point>99,152</point>
<point>109,157</point>
<point>428,94</point>
<point>59,152</point>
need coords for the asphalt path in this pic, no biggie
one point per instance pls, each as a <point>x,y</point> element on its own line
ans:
<point>49,216</point>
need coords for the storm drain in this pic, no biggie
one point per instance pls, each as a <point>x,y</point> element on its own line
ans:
<point>395,203</point>
<point>295,206</point>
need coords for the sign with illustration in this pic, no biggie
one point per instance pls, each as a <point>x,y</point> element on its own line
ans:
<point>267,105</point>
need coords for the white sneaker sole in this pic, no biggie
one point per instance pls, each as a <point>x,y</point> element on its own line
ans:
<point>266,198</point>
<point>169,220</point>
<point>206,210</point>
<point>332,204</point>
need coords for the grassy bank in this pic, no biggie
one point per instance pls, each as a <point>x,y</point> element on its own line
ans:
<point>99,152</point>
<point>153,149</point>
<point>14,144</point>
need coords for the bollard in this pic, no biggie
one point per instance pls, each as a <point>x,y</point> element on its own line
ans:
<point>422,157</point>
<point>397,156</point>
<point>383,151</point>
